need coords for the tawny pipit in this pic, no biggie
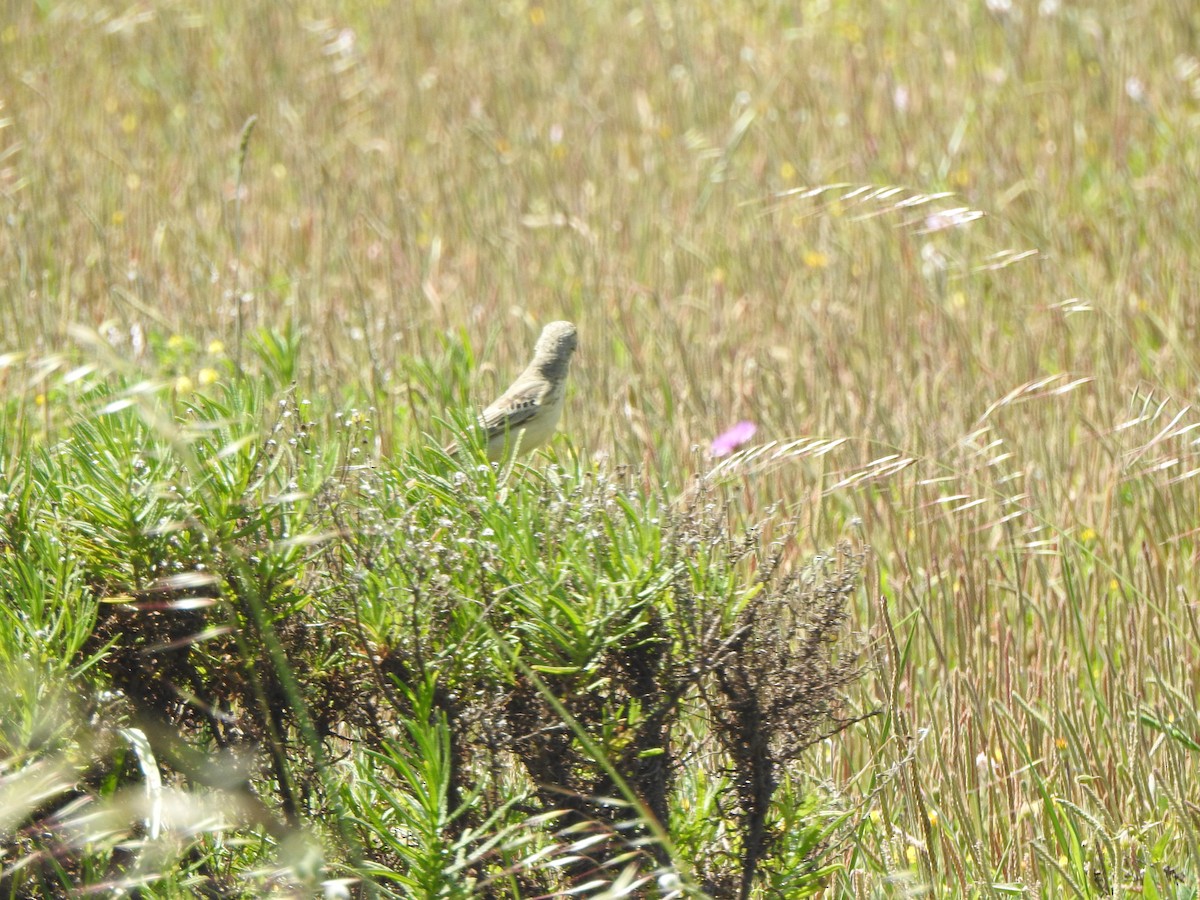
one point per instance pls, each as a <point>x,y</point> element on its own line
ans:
<point>524,417</point>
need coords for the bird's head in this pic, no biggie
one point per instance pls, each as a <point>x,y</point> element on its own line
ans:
<point>557,338</point>
<point>555,346</point>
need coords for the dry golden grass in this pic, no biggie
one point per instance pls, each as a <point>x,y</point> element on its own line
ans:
<point>958,242</point>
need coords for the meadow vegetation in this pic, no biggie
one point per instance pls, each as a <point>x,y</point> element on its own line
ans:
<point>929,633</point>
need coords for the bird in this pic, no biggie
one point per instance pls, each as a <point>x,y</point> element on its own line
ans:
<point>524,417</point>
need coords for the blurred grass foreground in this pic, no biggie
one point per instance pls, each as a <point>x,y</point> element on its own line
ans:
<point>864,565</point>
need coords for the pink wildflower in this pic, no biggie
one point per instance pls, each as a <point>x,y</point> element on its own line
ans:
<point>728,441</point>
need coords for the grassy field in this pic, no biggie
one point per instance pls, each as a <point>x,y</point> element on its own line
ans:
<point>259,261</point>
